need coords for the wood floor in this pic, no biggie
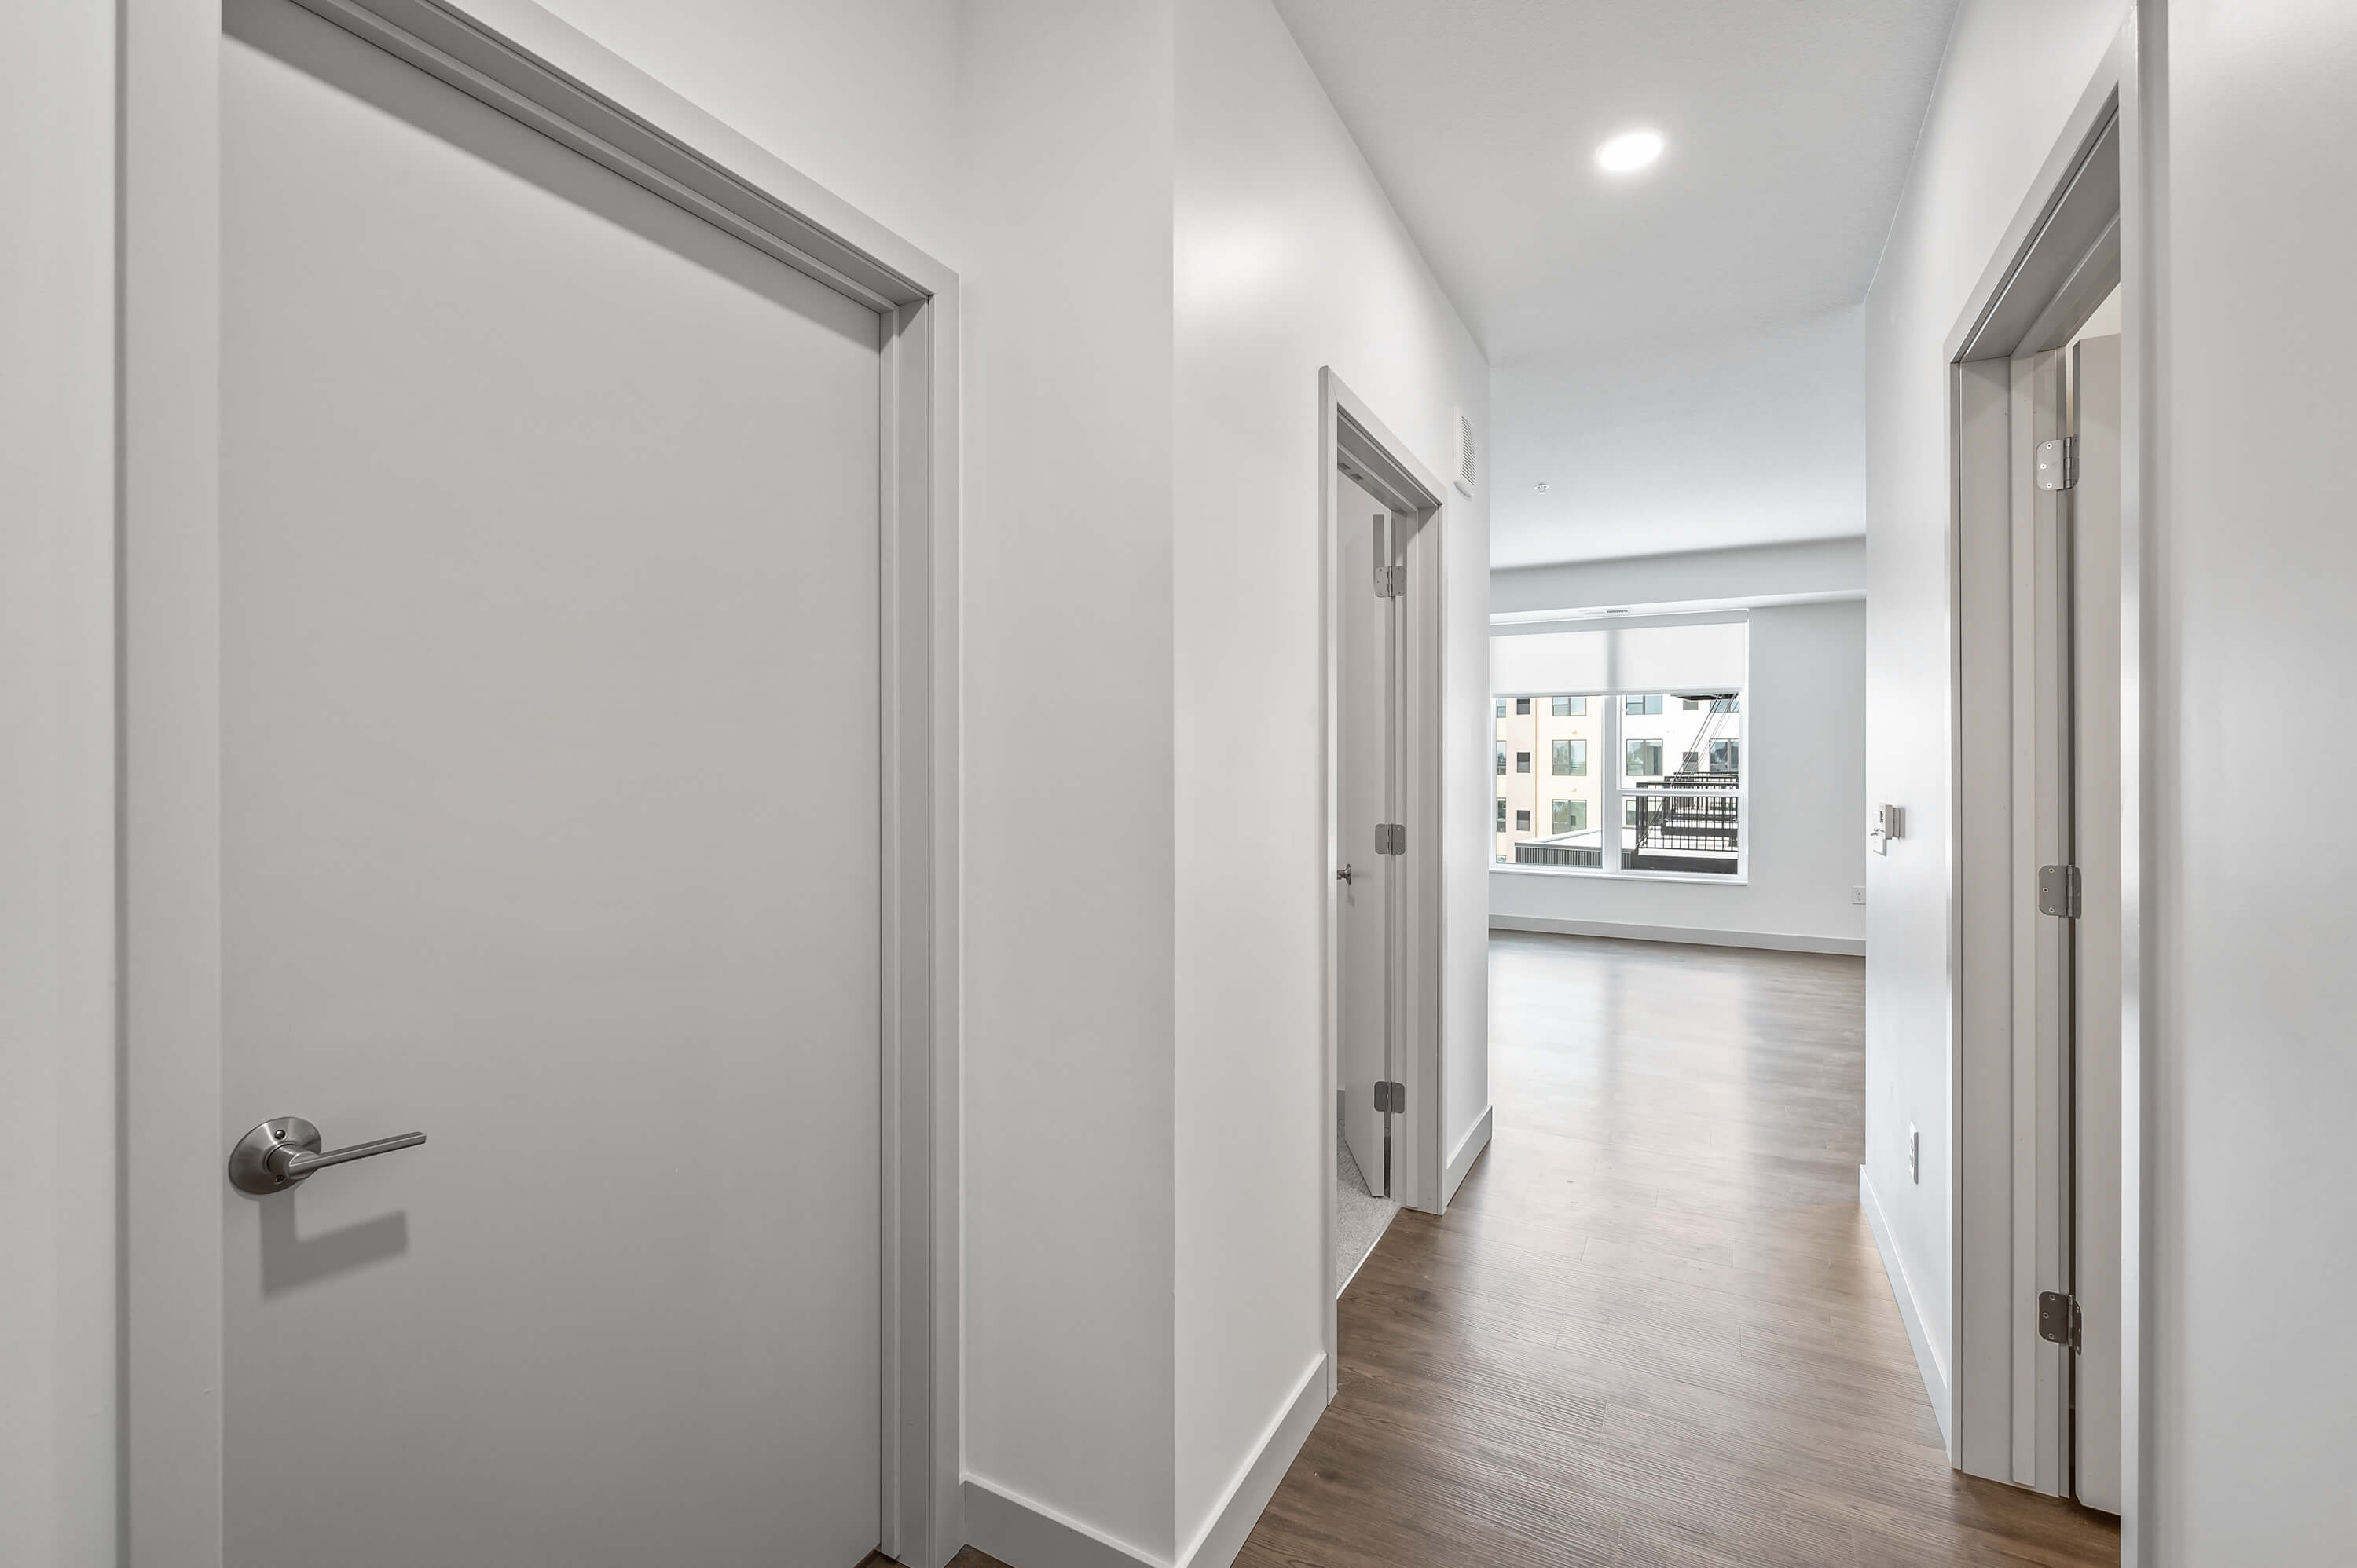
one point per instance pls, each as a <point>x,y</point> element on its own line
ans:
<point>1652,1329</point>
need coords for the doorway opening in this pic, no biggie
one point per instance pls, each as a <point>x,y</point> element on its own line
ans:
<point>1384,592</point>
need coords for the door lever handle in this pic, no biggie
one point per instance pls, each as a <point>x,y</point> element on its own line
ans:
<point>285,1149</point>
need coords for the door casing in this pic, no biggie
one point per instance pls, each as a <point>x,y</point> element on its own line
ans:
<point>1348,429</point>
<point>2083,226</point>
<point>519,59</point>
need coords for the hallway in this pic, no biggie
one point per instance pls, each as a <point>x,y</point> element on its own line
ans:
<point>1653,1328</point>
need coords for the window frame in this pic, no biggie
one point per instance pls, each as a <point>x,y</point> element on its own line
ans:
<point>1609,715</point>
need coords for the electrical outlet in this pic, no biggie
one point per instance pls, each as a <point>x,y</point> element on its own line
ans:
<point>1914,1154</point>
<point>1857,895</point>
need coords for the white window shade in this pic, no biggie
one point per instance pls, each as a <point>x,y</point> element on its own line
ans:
<point>1681,655</point>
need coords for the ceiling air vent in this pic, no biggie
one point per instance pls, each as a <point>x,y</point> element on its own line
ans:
<point>1468,473</point>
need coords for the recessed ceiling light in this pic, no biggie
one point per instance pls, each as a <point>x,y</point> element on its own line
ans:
<point>1629,152</point>
<point>1540,487</point>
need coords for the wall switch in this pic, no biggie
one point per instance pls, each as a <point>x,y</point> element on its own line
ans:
<point>1857,895</point>
<point>1914,1154</point>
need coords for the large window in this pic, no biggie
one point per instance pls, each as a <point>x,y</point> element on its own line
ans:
<point>1638,729</point>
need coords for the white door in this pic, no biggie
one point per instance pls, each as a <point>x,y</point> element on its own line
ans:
<point>549,827</point>
<point>1369,681</point>
<point>2095,989</point>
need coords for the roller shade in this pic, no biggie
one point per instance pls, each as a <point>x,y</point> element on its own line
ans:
<point>1682,655</point>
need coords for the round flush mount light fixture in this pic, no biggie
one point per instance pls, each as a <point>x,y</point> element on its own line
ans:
<point>1540,487</point>
<point>1629,152</point>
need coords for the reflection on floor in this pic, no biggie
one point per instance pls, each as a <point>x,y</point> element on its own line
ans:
<point>1652,1328</point>
<point>1359,1216</point>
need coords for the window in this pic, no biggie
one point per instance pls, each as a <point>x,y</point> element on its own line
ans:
<point>1501,816</point>
<point>1501,756</point>
<point>1646,779</point>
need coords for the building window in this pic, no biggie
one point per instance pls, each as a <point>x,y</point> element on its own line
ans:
<point>1570,759</point>
<point>1569,816</point>
<point>1501,816</point>
<point>1501,707</point>
<point>1570,707</point>
<point>1644,757</point>
<point>1726,756</point>
<point>1522,704</point>
<point>1521,821</point>
<point>1650,702</point>
<point>1521,762</point>
<point>1501,758</point>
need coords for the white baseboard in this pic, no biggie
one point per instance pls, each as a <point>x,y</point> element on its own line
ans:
<point>1017,1530</point>
<point>1462,1160</point>
<point>1704,936</point>
<point>1902,1289</point>
<point>1224,1533</point>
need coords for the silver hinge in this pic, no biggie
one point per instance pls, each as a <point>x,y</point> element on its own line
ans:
<point>1391,838</point>
<point>2058,463</point>
<point>2057,891</point>
<point>2057,1318</point>
<point>1391,1096</point>
<point>1390,582</point>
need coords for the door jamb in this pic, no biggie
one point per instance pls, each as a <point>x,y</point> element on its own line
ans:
<point>2041,278</point>
<point>1348,427</point>
<point>524,62</point>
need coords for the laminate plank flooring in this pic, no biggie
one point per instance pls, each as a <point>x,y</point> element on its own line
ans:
<point>1652,1328</point>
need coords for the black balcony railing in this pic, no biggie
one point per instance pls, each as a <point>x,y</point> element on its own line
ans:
<point>1690,822</point>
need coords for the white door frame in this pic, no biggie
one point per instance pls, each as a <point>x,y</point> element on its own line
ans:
<point>2083,221</point>
<point>524,62</point>
<point>1349,431</point>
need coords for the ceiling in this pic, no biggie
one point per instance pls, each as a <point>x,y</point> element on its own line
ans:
<point>1790,124</point>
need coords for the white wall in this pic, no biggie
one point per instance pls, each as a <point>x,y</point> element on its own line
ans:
<point>1649,446</point>
<point>57,1190</point>
<point>1804,754</point>
<point>1289,258</point>
<point>1749,575</point>
<point>1068,634</point>
<point>2249,592</point>
<point>2014,71</point>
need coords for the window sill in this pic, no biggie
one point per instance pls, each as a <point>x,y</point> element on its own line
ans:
<point>1740,879</point>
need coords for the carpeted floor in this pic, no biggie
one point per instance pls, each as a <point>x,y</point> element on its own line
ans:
<point>1359,1215</point>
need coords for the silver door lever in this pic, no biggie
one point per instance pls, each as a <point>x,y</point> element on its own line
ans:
<point>285,1149</point>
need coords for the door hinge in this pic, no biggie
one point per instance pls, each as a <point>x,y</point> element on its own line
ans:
<point>2058,463</point>
<point>1391,1096</point>
<point>1390,582</point>
<point>2057,1318</point>
<point>1391,838</point>
<point>2057,891</point>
